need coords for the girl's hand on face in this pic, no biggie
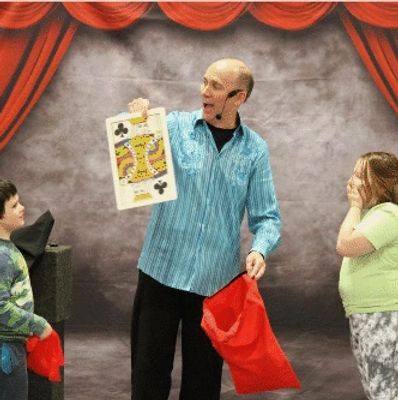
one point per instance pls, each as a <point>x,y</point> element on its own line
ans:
<point>355,193</point>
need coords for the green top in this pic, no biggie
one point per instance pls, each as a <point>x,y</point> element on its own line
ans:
<point>369,283</point>
<point>17,320</point>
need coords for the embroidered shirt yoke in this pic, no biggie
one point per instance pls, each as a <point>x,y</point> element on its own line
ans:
<point>193,243</point>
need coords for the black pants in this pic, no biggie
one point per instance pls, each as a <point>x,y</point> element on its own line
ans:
<point>157,312</point>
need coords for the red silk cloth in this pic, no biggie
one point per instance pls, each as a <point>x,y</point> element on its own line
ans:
<point>34,37</point>
<point>45,357</point>
<point>237,324</point>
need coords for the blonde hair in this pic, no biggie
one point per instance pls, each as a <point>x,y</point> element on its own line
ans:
<point>246,78</point>
<point>381,175</point>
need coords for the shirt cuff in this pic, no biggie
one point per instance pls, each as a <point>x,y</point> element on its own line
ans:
<point>38,325</point>
<point>262,255</point>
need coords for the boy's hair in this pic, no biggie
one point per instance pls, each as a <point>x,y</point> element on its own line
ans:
<point>7,190</point>
<point>381,175</point>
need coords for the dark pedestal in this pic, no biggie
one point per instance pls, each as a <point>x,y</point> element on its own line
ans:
<point>52,287</point>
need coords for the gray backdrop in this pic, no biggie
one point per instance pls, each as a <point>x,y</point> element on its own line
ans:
<point>313,101</point>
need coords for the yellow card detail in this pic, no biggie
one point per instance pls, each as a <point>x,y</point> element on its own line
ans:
<point>137,120</point>
<point>142,196</point>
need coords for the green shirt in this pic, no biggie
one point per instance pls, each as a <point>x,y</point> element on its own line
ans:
<point>17,320</point>
<point>369,283</point>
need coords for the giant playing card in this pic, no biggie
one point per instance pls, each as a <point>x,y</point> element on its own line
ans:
<point>142,166</point>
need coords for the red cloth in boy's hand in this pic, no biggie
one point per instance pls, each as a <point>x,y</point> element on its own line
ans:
<point>45,357</point>
<point>236,322</point>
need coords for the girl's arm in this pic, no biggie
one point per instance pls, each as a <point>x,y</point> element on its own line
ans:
<point>351,243</point>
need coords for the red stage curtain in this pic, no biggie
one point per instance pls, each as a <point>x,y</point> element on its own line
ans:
<point>22,15</point>
<point>290,15</point>
<point>204,16</point>
<point>383,15</point>
<point>29,60</point>
<point>378,50</point>
<point>30,57</point>
<point>109,16</point>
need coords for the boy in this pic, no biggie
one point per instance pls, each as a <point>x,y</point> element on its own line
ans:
<point>17,320</point>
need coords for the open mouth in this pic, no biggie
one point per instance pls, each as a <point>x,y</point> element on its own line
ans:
<point>208,106</point>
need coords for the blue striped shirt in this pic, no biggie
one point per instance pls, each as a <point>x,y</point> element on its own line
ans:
<point>193,243</point>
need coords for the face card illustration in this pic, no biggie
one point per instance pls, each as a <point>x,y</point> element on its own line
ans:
<point>142,167</point>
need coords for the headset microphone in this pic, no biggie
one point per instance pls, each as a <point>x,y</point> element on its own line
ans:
<point>229,95</point>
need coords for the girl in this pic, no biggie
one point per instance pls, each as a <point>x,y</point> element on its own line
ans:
<point>368,240</point>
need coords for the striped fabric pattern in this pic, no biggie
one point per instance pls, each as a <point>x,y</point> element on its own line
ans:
<point>193,243</point>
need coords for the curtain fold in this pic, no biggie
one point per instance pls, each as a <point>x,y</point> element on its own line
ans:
<point>107,16</point>
<point>383,14</point>
<point>34,37</point>
<point>33,55</point>
<point>15,15</point>
<point>291,15</point>
<point>204,16</point>
<point>378,49</point>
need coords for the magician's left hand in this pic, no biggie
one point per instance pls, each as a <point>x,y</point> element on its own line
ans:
<point>255,265</point>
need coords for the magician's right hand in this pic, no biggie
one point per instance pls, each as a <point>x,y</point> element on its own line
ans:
<point>139,106</point>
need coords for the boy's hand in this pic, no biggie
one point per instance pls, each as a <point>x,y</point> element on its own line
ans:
<point>47,332</point>
<point>139,106</point>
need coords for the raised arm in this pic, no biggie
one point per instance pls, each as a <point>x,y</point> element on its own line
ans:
<point>350,242</point>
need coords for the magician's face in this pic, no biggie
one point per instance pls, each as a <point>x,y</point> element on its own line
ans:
<point>219,80</point>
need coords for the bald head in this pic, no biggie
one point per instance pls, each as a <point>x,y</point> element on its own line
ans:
<point>227,84</point>
<point>237,68</point>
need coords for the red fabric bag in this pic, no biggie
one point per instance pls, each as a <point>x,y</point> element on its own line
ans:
<point>45,357</point>
<point>236,322</point>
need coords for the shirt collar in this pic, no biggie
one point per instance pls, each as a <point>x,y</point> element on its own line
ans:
<point>199,119</point>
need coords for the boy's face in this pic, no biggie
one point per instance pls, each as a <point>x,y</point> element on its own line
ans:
<point>14,213</point>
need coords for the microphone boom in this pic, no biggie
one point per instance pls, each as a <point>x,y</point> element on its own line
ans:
<point>229,95</point>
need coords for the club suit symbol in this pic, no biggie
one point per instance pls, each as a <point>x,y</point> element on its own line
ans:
<point>160,186</point>
<point>121,130</point>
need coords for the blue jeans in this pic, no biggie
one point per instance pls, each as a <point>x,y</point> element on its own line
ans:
<point>13,372</point>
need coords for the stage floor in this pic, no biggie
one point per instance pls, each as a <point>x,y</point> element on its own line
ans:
<point>98,366</point>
